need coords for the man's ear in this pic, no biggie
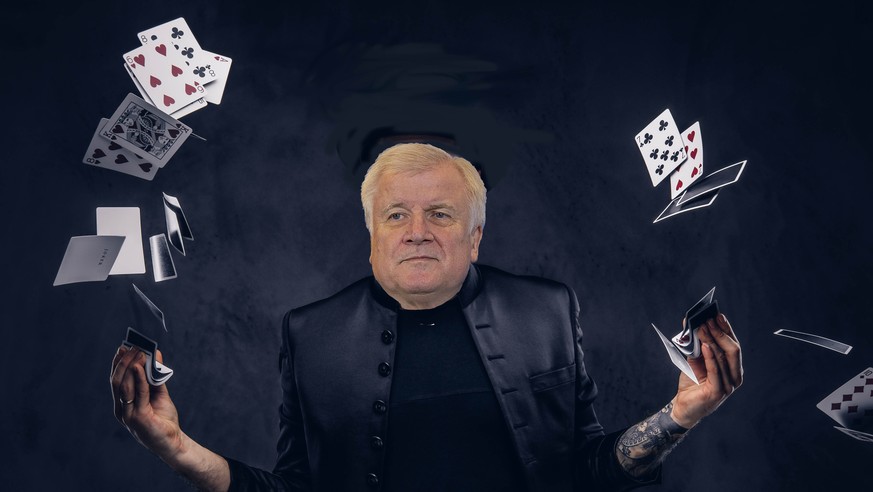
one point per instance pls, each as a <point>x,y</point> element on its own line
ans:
<point>476,237</point>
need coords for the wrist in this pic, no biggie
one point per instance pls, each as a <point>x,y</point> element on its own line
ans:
<point>680,417</point>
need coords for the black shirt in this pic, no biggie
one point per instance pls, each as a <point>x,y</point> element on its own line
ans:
<point>445,429</point>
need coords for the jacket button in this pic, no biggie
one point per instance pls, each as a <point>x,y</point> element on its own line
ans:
<point>387,337</point>
<point>380,407</point>
<point>384,369</point>
<point>377,443</point>
<point>372,479</point>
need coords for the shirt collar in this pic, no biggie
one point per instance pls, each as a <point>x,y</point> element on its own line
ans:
<point>469,290</point>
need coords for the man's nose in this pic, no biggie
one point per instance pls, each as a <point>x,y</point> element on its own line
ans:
<point>418,231</point>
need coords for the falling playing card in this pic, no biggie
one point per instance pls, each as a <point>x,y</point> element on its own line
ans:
<point>106,154</point>
<point>674,208</point>
<point>714,181</point>
<point>142,128</point>
<point>123,221</point>
<point>154,309</point>
<point>676,356</point>
<point>661,146</point>
<point>162,260</point>
<point>851,405</point>
<point>181,45</point>
<point>177,224</point>
<point>162,78</point>
<point>861,436</point>
<point>692,169</point>
<point>215,89</point>
<point>88,259</point>
<point>818,340</point>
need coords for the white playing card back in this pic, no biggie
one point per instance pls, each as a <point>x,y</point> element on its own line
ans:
<point>676,356</point>
<point>123,221</point>
<point>88,259</point>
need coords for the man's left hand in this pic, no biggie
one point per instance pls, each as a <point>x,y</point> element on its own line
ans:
<point>719,370</point>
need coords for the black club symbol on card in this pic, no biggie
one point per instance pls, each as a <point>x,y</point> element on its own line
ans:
<point>660,169</point>
<point>669,141</point>
<point>177,33</point>
<point>675,156</point>
<point>201,71</point>
<point>647,138</point>
<point>654,154</point>
<point>189,52</point>
<point>664,156</point>
<point>662,125</point>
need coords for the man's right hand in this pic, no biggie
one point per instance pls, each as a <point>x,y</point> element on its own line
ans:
<point>146,411</point>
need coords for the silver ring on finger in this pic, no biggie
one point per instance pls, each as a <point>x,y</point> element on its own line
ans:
<point>124,403</point>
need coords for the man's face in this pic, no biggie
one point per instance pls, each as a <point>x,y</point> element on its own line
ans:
<point>421,245</point>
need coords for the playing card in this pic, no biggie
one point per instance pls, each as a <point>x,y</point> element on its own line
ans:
<point>185,111</point>
<point>163,78</point>
<point>692,169</point>
<point>815,340</point>
<point>661,146</point>
<point>215,89</point>
<point>178,39</point>
<point>714,181</point>
<point>861,436</point>
<point>106,154</point>
<point>143,129</point>
<point>156,373</point>
<point>177,224</point>
<point>154,309</point>
<point>162,260</point>
<point>686,340</point>
<point>676,356</point>
<point>88,259</point>
<point>674,208</point>
<point>123,221</point>
<point>851,405</point>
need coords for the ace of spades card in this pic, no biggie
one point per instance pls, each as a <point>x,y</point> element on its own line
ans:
<point>661,146</point>
<point>146,131</point>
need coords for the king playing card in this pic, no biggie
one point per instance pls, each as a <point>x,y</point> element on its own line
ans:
<point>143,129</point>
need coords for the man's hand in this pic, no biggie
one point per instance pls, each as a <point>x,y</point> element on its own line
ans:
<point>150,416</point>
<point>719,371</point>
<point>146,411</point>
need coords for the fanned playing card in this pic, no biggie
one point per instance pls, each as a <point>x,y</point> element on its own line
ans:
<point>692,169</point>
<point>674,208</point>
<point>851,405</point>
<point>106,154</point>
<point>178,39</point>
<point>215,89</point>
<point>184,111</point>
<point>686,340</point>
<point>713,181</point>
<point>163,78</point>
<point>677,357</point>
<point>661,146</point>
<point>143,129</point>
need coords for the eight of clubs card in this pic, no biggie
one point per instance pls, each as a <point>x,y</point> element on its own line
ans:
<point>661,146</point>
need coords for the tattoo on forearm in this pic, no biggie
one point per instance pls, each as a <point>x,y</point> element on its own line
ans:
<point>642,447</point>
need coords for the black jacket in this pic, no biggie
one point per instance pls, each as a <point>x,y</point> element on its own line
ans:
<point>335,361</point>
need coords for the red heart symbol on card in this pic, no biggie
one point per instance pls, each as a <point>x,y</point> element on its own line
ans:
<point>161,49</point>
<point>189,89</point>
<point>694,154</point>
<point>98,154</point>
<point>154,81</point>
<point>694,172</point>
<point>176,71</point>
<point>168,100</point>
<point>118,129</point>
<point>679,185</point>
<point>173,133</point>
<point>691,136</point>
<point>139,59</point>
<point>114,146</point>
<point>120,159</point>
<point>145,166</point>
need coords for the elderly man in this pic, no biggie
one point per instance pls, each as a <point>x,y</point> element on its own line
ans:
<point>435,373</point>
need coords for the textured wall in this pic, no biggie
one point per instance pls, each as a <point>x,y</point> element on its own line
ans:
<point>277,223</point>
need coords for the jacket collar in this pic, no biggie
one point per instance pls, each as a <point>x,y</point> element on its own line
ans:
<point>469,290</point>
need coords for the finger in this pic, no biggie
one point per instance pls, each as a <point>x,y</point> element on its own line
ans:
<point>159,357</point>
<point>698,366</point>
<point>115,381</point>
<point>129,389</point>
<point>712,376</point>
<point>726,327</point>
<point>720,357</point>
<point>730,353</point>
<point>142,388</point>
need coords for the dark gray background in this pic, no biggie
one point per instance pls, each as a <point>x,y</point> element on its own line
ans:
<point>277,222</point>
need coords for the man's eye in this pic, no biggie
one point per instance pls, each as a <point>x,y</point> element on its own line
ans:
<point>395,216</point>
<point>440,215</point>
